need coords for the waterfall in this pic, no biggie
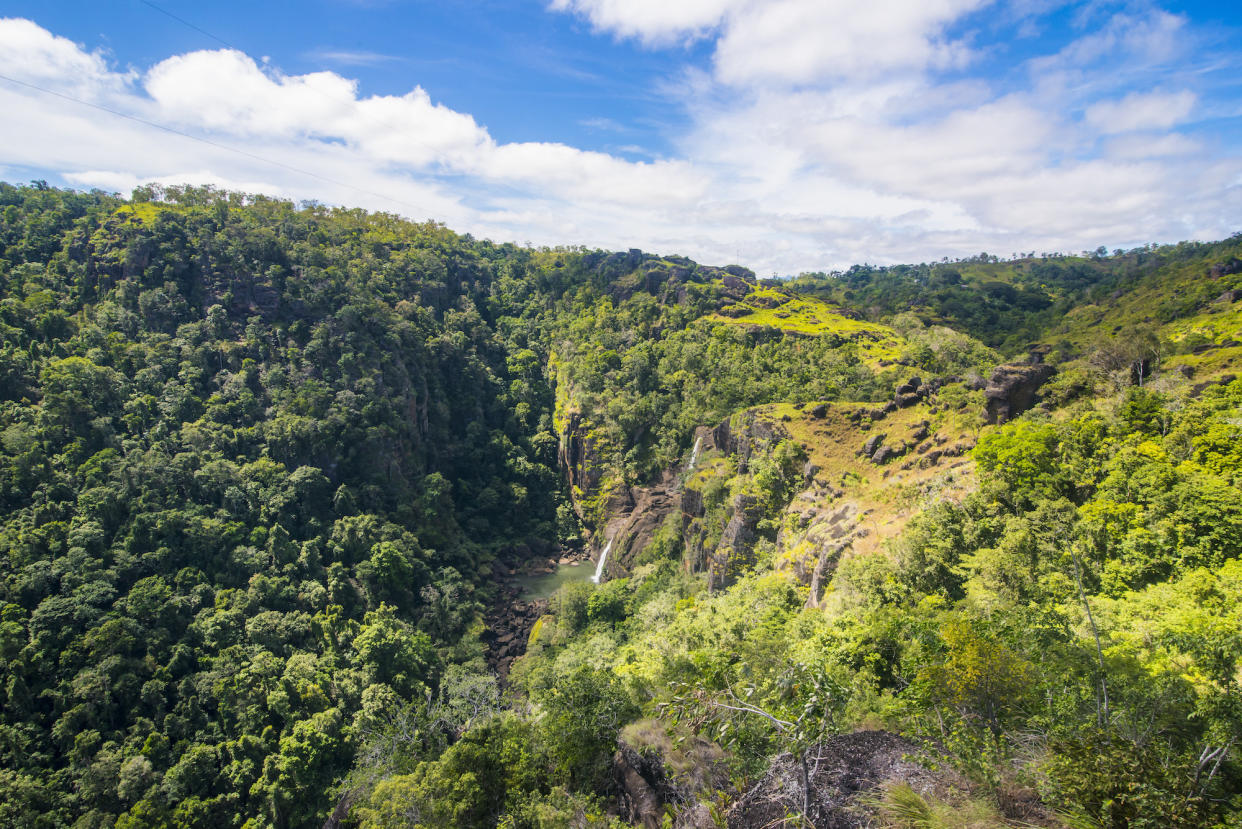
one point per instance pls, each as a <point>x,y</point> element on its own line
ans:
<point>599,566</point>
<point>694,456</point>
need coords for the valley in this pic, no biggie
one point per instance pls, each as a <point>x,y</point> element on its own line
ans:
<point>312,516</point>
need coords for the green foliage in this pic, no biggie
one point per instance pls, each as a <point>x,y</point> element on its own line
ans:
<point>583,713</point>
<point>254,462</point>
<point>635,371</point>
<point>1119,783</point>
<point>1010,304</point>
<point>258,464</point>
<point>976,674</point>
<point>469,785</point>
<point>1023,457</point>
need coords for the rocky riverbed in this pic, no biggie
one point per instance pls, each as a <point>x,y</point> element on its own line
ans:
<point>524,597</point>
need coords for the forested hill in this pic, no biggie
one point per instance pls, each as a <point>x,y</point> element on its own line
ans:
<point>258,463</point>
<point>266,468</point>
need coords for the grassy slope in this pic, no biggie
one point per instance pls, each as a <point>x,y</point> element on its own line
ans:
<point>764,307</point>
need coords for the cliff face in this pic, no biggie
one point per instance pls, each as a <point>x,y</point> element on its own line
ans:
<point>579,458</point>
<point>861,467</point>
<point>625,519</point>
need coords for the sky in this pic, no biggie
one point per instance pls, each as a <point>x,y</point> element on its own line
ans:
<point>785,135</point>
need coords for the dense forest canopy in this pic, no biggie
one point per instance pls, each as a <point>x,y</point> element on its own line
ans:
<point>265,469</point>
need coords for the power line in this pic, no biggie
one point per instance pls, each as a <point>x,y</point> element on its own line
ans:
<point>413,140</point>
<point>185,22</point>
<point>208,141</point>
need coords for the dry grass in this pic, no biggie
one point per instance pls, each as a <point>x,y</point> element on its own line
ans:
<point>889,495</point>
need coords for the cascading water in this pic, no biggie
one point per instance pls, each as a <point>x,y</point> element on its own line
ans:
<point>694,456</point>
<point>599,567</point>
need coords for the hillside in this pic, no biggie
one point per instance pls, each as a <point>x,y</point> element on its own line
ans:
<point>269,476</point>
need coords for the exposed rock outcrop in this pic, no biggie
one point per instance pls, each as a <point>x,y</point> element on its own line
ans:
<point>1012,389</point>
<point>578,457</point>
<point>841,769</point>
<point>634,515</point>
<point>1228,267</point>
<point>644,788</point>
<point>736,286</point>
<point>736,543</point>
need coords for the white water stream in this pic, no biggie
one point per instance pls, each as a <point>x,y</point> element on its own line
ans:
<point>694,456</point>
<point>599,567</point>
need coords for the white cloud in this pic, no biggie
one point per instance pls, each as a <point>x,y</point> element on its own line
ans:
<point>1141,111</point>
<point>802,41</point>
<point>795,41</point>
<point>821,134</point>
<point>653,21</point>
<point>1149,146</point>
<point>32,54</point>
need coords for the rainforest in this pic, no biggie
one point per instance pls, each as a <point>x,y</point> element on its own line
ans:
<point>311,516</point>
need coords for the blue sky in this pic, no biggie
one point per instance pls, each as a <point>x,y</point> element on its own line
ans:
<point>527,74</point>
<point>788,135</point>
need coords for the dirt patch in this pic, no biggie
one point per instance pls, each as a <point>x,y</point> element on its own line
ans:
<point>842,768</point>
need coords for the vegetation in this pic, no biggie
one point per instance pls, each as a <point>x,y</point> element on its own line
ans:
<point>264,467</point>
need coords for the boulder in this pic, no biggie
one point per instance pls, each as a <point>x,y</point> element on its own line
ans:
<point>735,286</point>
<point>1230,266</point>
<point>1012,389</point>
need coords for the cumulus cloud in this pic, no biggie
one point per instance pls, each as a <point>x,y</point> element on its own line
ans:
<point>792,40</point>
<point>30,53</point>
<point>820,134</point>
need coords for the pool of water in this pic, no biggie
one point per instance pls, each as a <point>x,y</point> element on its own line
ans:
<point>542,586</point>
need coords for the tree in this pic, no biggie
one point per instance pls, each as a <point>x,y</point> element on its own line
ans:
<point>976,674</point>
<point>390,651</point>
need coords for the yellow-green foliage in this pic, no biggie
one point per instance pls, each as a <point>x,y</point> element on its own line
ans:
<point>1176,299</point>
<point>1186,628</point>
<point>1218,324</point>
<point>535,632</point>
<point>772,308</point>
<point>144,212</point>
<point>560,383</point>
<point>746,620</point>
